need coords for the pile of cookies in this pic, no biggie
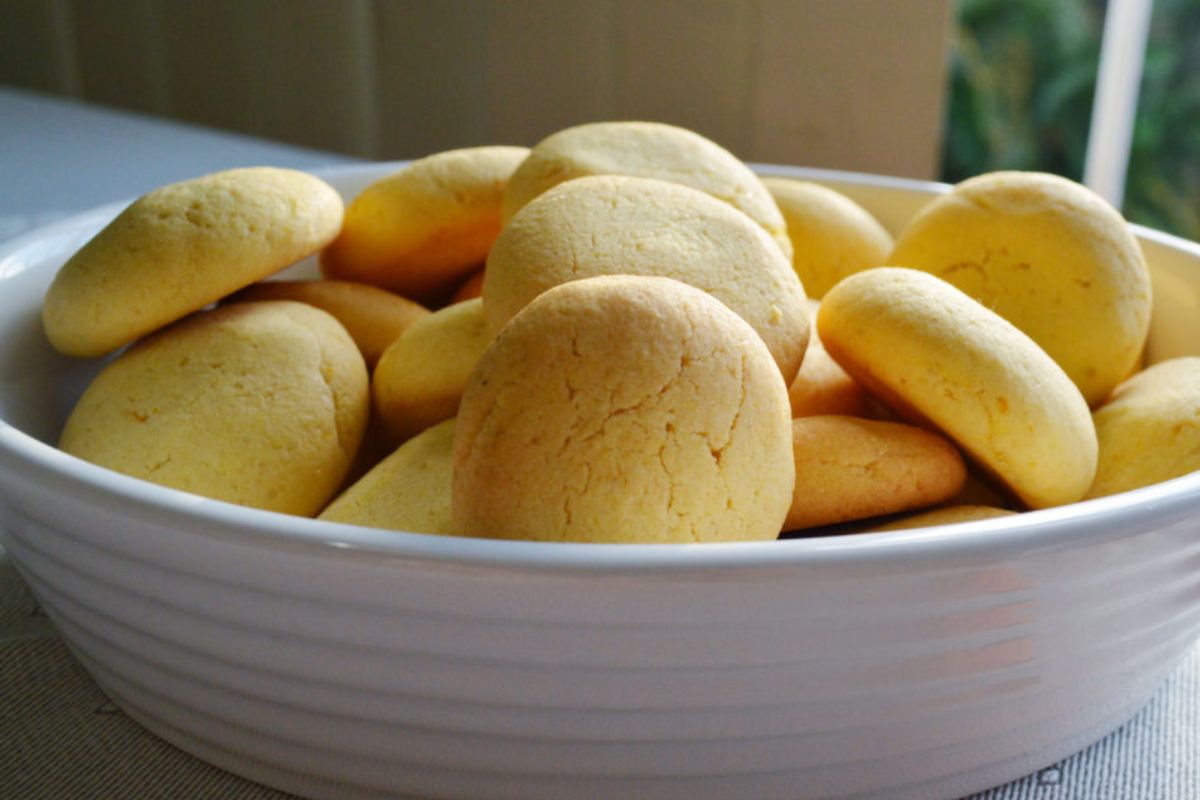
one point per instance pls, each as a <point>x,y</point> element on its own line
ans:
<point>621,335</point>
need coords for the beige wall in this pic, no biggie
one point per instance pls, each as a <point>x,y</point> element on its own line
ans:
<point>852,84</point>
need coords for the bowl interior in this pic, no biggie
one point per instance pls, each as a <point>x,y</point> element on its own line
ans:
<point>38,387</point>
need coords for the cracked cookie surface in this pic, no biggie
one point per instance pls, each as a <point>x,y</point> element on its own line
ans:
<point>616,224</point>
<point>624,409</point>
<point>262,404</point>
<point>1051,257</point>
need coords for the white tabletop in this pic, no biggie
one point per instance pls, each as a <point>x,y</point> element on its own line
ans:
<point>59,157</point>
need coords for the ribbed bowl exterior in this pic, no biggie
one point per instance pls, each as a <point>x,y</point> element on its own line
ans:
<point>911,665</point>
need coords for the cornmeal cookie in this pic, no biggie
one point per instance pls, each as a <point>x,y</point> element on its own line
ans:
<point>373,317</point>
<point>624,409</point>
<point>647,150</point>
<point>1149,430</point>
<point>407,491</point>
<point>822,386</point>
<point>261,404</point>
<point>1051,257</point>
<point>832,236</point>
<point>849,468</point>
<point>183,246</point>
<point>943,516</point>
<point>936,356</point>
<point>612,224</point>
<point>421,377</point>
<point>421,230</point>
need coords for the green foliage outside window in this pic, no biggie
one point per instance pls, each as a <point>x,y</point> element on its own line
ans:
<point>1023,76</point>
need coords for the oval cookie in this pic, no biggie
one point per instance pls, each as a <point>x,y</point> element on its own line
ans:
<point>183,246</point>
<point>407,491</point>
<point>832,236</point>
<point>849,468</point>
<point>373,317</point>
<point>421,230</point>
<point>935,355</point>
<point>624,409</point>
<point>1051,257</point>
<point>261,404</point>
<point>614,224</point>
<point>1149,430</point>
<point>421,377</point>
<point>647,150</point>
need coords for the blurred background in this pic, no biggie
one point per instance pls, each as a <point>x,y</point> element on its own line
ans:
<point>938,89</point>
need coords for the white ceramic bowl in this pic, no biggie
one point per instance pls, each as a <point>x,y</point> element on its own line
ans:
<point>344,662</point>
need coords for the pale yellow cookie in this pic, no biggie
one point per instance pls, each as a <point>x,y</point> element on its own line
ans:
<point>935,355</point>
<point>947,515</point>
<point>261,404</point>
<point>1051,257</point>
<point>624,409</point>
<point>421,230</point>
<point>849,468</point>
<point>407,491</point>
<point>421,377</point>
<point>647,150</point>
<point>181,247</point>
<point>615,224</point>
<point>1149,430</point>
<point>373,317</point>
<point>822,386</point>
<point>832,236</point>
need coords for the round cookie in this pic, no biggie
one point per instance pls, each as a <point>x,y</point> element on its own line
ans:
<point>624,409</point>
<point>647,150</point>
<point>947,515</point>
<point>419,231</point>
<point>1051,257</point>
<point>421,377</point>
<point>407,491</point>
<point>832,236</point>
<point>373,317</point>
<point>849,468</point>
<point>822,386</point>
<point>612,224</point>
<point>182,246</point>
<point>1149,430</point>
<point>938,357</point>
<point>261,404</point>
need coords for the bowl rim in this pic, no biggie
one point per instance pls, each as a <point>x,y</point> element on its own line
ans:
<point>1070,525</point>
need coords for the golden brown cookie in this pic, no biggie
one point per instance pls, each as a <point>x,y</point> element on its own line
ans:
<point>1149,430</point>
<point>612,224</point>
<point>407,491</point>
<point>647,150</point>
<point>832,236</point>
<point>947,515</point>
<point>1051,257</point>
<point>183,246</point>
<point>421,230</point>
<point>624,409</point>
<point>261,404</point>
<point>849,468</point>
<point>373,317</point>
<point>938,357</point>
<point>822,386</point>
<point>421,376</point>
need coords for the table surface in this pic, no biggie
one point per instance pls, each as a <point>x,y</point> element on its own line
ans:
<point>64,739</point>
